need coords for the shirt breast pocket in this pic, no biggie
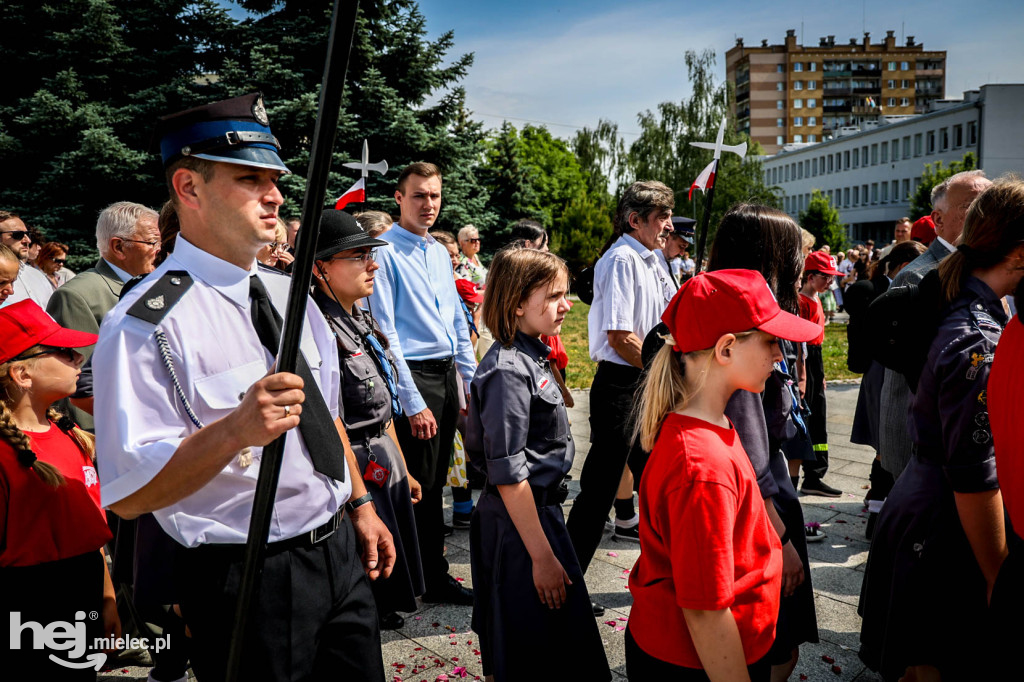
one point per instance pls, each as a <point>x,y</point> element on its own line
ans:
<point>359,381</point>
<point>224,391</point>
<point>549,415</point>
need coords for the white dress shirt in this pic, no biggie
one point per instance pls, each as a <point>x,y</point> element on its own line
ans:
<point>31,283</point>
<point>631,291</point>
<point>217,355</point>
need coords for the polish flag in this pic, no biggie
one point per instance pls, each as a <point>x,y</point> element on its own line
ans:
<point>355,194</point>
<point>705,180</point>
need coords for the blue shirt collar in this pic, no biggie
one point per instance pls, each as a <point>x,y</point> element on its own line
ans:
<point>121,274</point>
<point>409,236</point>
<point>227,278</point>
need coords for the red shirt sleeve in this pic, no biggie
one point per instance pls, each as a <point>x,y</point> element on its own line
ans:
<point>558,352</point>
<point>701,528</point>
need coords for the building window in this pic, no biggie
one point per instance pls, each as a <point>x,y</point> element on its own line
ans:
<point>895,191</point>
<point>807,168</point>
<point>895,150</point>
<point>864,194</point>
<point>904,66</point>
<point>918,144</point>
<point>814,166</point>
<point>943,139</point>
<point>798,85</point>
<point>812,138</point>
<point>885,193</point>
<point>846,160</point>
<point>779,68</point>
<point>799,166</point>
<point>780,86</point>
<point>831,163</point>
<point>856,195</point>
<point>839,162</point>
<point>874,192</point>
<point>864,155</point>
<point>906,147</point>
<point>892,101</point>
<point>958,136</point>
<point>812,66</point>
<point>891,84</point>
<point>856,158</point>
<point>798,104</point>
<point>799,138</point>
<point>874,155</point>
<point>812,85</point>
<point>904,84</point>
<point>798,120</point>
<point>846,196</point>
<point>904,101</point>
<point>892,66</point>
<point>780,104</point>
<point>798,66</point>
<point>812,120</point>
<point>906,189</point>
<point>885,152</point>
<point>780,123</point>
<point>812,103</point>
<point>972,133</point>
<point>786,169</point>
<point>931,142</point>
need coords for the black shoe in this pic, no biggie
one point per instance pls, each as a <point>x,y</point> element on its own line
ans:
<point>631,534</point>
<point>448,530</point>
<point>450,592</point>
<point>816,486</point>
<point>461,520</point>
<point>598,609</point>
<point>391,621</point>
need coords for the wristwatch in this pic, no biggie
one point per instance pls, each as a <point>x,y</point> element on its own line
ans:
<point>352,505</point>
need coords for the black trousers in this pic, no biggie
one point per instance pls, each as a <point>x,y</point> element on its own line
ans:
<point>815,397</point>
<point>642,666</point>
<point>314,619</point>
<point>611,403</point>
<point>427,461</point>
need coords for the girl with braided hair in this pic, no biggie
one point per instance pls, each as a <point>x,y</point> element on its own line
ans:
<point>52,528</point>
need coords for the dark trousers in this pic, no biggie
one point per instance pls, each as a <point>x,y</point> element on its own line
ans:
<point>642,666</point>
<point>314,618</point>
<point>815,397</point>
<point>427,461</point>
<point>611,403</point>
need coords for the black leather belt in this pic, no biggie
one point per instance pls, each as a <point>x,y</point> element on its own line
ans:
<point>542,497</point>
<point>439,366</point>
<point>366,433</point>
<point>303,541</point>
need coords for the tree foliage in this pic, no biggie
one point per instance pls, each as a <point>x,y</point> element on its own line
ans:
<point>934,173</point>
<point>821,219</point>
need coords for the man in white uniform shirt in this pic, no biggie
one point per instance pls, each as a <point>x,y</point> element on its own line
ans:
<point>31,283</point>
<point>631,291</point>
<point>187,398</point>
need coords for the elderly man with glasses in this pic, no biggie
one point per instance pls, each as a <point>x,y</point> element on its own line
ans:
<point>31,283</point>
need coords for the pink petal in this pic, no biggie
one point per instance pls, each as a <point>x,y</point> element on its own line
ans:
<point>619,628</point>
<point>613,554</point>
<point>623,619</point>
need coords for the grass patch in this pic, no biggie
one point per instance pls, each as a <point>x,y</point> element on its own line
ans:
<point>580,373</point>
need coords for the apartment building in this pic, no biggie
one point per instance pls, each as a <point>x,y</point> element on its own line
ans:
<point>792,93</point>
<point>869,172</point>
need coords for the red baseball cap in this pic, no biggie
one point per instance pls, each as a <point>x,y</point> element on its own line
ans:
<point>711,304</point>
<point>24,324</point>
<point>923,230</point>
<point>822,262</point>
<point>468,291</point>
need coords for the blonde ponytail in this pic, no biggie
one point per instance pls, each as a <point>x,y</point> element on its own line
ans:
<point>664,390</point>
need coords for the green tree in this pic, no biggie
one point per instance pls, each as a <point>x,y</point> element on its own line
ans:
<point>934,173</point>
<point>510,184</point>
<point>663,151</point>
<point>581,230</point>
<point>821,219</point>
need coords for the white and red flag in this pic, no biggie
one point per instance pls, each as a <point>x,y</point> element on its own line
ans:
<point>355,194</point>
<point>706,179</point>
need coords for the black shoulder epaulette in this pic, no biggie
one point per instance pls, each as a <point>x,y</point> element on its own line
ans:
<point>153,305</point>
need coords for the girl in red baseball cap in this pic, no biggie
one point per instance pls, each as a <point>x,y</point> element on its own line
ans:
<point>52,527</point>
<point>706,587</point>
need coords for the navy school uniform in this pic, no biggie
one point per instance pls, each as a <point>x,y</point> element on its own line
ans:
<point>517,430</point>
<point>924,599</point>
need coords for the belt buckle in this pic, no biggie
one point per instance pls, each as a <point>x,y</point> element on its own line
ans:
<point>318,535</point>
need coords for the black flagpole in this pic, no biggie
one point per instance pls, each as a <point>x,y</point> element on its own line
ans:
<point>705,222</point>
<point>339,45</point>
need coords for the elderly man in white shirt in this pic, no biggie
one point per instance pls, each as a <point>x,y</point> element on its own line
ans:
<point>31,283</point>
<point>630,293</point>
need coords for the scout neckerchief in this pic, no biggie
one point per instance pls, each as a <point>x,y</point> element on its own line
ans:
<point>380,358</point>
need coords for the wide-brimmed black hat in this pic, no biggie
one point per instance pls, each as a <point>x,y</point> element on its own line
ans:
<point>339,231</point>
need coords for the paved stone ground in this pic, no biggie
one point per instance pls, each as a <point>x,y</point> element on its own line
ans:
<point>441,638</point>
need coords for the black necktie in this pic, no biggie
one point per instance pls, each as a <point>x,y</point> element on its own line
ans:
<point>315,423</point>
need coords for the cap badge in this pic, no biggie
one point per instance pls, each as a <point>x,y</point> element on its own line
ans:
<point>156,303</point>
<point>259,112</point>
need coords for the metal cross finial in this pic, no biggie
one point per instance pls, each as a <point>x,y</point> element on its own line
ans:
<point>717,147</point>
<point>365,166</point>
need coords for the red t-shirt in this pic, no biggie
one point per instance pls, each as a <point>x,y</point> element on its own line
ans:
<point>40,523</point>
<point>705,543</point>
<point>810,309</point>
<point>1002,397</point>
<point>558,352</point>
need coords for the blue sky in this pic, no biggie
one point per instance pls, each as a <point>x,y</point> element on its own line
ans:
<point>572,62</point>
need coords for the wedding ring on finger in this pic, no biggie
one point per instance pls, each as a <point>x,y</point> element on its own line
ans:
<point>287,410</point>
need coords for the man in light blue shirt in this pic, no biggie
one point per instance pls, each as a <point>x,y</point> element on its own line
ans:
<point>417,306</point>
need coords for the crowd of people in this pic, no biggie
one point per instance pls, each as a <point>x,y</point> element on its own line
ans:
<point>136,398</point>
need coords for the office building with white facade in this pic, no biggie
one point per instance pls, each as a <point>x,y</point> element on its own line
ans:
<point>869,173</point>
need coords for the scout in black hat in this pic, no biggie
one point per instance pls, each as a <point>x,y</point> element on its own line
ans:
<point>339,231</point>
<point>234,130</point>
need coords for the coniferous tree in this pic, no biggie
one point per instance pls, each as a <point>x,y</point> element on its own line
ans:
<point>821,219</point>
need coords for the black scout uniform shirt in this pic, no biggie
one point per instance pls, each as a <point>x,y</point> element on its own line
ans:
<point>518,427</point>
<point>949,413</point>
